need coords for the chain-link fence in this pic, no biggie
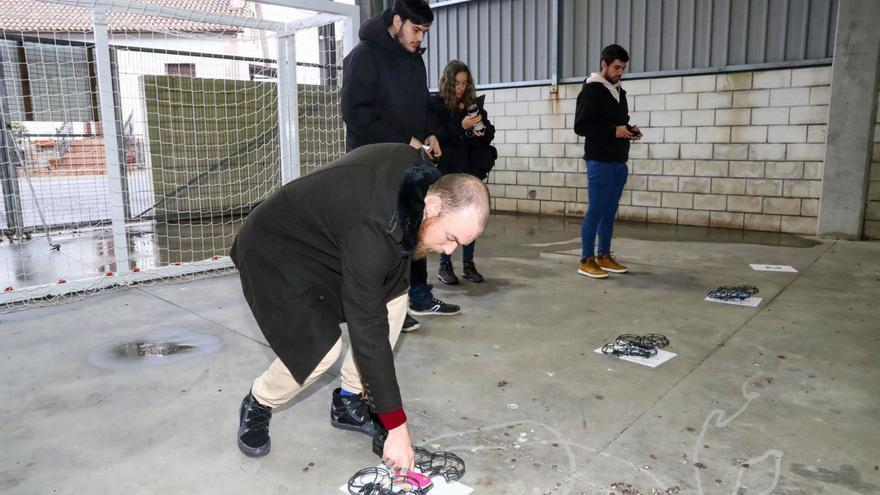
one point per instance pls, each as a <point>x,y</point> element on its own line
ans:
<point>136,135</point>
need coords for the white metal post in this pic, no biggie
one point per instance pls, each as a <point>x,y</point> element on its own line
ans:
<point>554,46</point>
<point>350,28</point>
<point>288,107</point>
<point>111,141</point>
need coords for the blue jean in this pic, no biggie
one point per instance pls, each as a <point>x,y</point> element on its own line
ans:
<point>420,291</point>
<point>467,253</point>
<point>605,181</point>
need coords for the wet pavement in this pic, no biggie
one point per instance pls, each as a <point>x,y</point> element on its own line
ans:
<point>773,399</point>
<point>88,252</point>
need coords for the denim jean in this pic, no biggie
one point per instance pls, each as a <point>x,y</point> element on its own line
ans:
<point>605,181</point>
<point>467,253</point>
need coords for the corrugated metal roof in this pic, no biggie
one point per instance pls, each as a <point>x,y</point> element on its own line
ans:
<point>29,16</point>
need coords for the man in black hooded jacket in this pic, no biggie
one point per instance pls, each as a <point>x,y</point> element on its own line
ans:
<point>384,85</point>
<point>385,99</point>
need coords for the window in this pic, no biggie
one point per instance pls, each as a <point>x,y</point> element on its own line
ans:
<point>262,72</point>
<point>183,70</point>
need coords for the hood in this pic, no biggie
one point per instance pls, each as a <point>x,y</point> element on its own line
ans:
<point>614,89</point>
<point>375,30</point>
<point>411,202</point>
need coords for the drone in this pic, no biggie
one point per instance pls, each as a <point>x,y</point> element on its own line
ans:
<point>728,293</point>
<point>383,481</point>
<point>635,345</point>
<point>440,463</point>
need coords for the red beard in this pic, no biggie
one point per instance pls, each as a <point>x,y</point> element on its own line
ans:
<point>421,250</point>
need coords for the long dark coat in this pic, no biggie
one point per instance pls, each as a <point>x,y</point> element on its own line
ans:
<point>335,246</point>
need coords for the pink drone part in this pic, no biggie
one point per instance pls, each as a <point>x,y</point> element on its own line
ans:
<point>418,480</point>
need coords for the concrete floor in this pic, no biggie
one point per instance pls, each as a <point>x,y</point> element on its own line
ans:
<point>775,399</point>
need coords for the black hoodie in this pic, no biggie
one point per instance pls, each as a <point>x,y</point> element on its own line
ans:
<point>384,89</point>
<point>596,117</point>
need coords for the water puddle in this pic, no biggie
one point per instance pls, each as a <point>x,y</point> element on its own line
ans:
<point>154,349</point>
<point>685,233</point>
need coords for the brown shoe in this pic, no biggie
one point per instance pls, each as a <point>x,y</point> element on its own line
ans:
<point>609,264</point>
<point>591,269</point>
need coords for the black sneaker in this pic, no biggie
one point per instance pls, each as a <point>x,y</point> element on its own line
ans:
<point>410,324</point>
<point>471,273</point>
<point>434,306</point>
<point>351,412</point>
<point>253,427</point>
<point>447,274</point>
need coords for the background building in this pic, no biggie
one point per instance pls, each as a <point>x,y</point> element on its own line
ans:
<point>733,97</point>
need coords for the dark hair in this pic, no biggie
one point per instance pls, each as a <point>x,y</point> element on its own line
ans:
<point>614,52</point>
<point>415,11</point>
<point>460,191</point>
<point>447,85</point>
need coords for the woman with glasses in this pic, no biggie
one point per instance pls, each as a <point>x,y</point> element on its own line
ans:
<point>465,134</point>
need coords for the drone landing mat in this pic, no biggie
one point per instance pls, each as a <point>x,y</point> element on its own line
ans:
<point>751,302</point>
<point>652,362</point>
<point>773,268</point>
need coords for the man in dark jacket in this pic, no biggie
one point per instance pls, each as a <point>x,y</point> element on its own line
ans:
<point>602,116</point>
<point>385,100</point>
<point>335,247</point>
<point>384,84</point>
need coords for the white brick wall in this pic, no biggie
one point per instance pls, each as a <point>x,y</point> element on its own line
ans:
<point>872,208</point>
<point>696,150</point>
<point>787,133</point>
<point>741,150</point>
<point>698,117</point>
<point>738,116</point>
<point>713,134</point>
<point>681,101</point>
<point>772,79</point>
<point>714,100</point>
<point>665,118</point>
<point>666,85</point>
<point>754,98</point>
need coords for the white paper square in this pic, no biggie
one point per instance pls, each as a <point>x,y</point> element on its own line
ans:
<point>441,487</point>
<point>751,302</point>
<point>651,362</point>
<point>773,268</point>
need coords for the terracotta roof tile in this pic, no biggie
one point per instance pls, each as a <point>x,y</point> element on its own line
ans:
<point>29,16</point>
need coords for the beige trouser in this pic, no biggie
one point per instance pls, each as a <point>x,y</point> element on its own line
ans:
<point>277,386</point>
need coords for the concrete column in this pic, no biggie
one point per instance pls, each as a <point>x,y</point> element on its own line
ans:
<point>854,85</point>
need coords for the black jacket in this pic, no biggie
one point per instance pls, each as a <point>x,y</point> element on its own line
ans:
<point>462,152</point>
<point>596,116</point>
<point>334,246</point>
<point>384,89</point>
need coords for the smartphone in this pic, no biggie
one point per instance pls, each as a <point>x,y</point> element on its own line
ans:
<point>633,129</point>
